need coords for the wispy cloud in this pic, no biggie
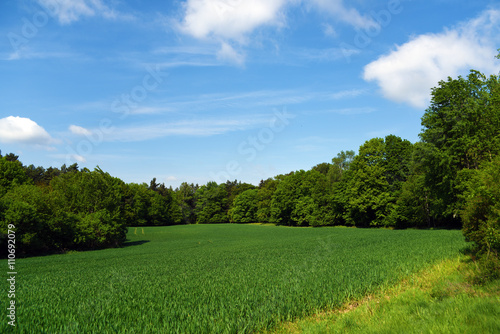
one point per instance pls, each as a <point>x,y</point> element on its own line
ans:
<point>241,100</point>
<point>26,53</point>
<point>192,128</point>
<point>250,103</point>
<point>148,110</point>
<point>342,111</point>
<point>69,11</point>
<point>182,56</point>
<point>352,111</point>
<point>347,94</point>
<point>316,143</point>
<point>321,55</point>
<point>339,11</point>
<point>329,31</point>
<point>269,98</point>
<point>185,50</point>
<point>228,54</point>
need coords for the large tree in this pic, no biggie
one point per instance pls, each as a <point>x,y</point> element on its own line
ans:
<point>185,196</point>
<point>211,204</point>
<point>264,197</point>
<point>97,199</point>
<point>375,180</point>
<point>461,129</point>
<point>12,174</point>
<point>302,198</point>
<point>244,208</point>
<point>340,164</point>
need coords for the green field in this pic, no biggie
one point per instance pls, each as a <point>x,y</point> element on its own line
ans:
<point>215,278</point>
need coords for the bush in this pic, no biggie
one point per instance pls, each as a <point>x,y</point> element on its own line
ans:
<point>98,230</point>
<point>481,213</point>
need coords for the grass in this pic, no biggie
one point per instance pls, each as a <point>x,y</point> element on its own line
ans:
<point>216,278</point>
<point>439,299</point>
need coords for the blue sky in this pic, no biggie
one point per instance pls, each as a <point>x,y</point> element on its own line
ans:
<point>202,90</point>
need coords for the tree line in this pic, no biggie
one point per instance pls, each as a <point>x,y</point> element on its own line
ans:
<point>450,178</point>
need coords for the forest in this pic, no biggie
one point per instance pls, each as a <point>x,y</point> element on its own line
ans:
<point>448,179</point>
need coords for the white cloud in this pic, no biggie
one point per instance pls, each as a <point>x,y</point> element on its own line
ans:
<point>78,130</point>
<point>408,73</point>
<point>68,11</point>
<point>24,130</point>
<point>229,19</point>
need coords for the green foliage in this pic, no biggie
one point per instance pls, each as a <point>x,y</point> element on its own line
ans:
<point>374,182</point>
<point>244,209</point>
<point>367,187</point>
<point>302,198</point>
<point>211,204</point>
<point>340,164</point>
<point>234,188</point>
<point>42,177</point>
<point>99,229</point>
<point>481,213</point>
<point>26,209</point>
<point>265,195</point>
<point>79,210</point>
<point>12,174</point>
<point>39,223</point>
<point>398,154</point>
<point>216,278</point>
<point>187,202</point>
<point>413,204</point>
<point>323,168</point>
<point>147,207</point>
<point>137,203</point>
<point>88,191</point>
<point>97,199</point>
<point>461,130</point>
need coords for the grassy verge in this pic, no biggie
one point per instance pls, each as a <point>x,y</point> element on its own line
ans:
<point>439,299</point>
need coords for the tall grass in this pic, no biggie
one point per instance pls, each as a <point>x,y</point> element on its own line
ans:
<point>439,299</point>
<point>215,278</point>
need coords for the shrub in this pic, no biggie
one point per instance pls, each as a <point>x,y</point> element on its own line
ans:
<point>481,212</point>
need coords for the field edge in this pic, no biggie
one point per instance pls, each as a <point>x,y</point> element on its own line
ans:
<point>439,298</point>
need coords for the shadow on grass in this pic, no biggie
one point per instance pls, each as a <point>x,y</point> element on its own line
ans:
<point>134,243</point>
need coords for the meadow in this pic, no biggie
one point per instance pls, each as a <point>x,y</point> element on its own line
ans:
<point>216,278</point>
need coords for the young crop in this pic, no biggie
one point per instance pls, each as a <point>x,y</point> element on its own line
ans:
<point>216,278</point>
